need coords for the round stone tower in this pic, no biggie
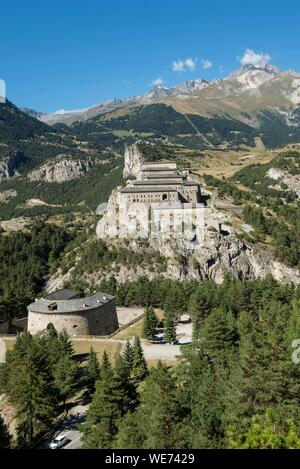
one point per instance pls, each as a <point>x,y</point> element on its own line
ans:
<point>79,316</point>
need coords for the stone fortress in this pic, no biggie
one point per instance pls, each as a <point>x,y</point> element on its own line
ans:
<point>159,202</point>
<point>160,181</point>
<point>79,316</point>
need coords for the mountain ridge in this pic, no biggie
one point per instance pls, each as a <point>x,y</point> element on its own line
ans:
<point>248,78</point>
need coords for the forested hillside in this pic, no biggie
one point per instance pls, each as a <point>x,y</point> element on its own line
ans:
<point>78,195</point>
<point>235,386</point>
<point>159,121</point>
<point>33,140</point>
<point>25,262</point>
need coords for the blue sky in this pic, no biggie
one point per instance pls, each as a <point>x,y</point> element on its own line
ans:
<point>71,54</point>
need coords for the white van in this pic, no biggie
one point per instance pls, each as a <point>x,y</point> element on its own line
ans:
<point>58,442</point>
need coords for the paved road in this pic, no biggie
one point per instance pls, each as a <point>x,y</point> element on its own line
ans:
<point>74,437</point>
<point>160,351</point>
<point>163,351</point>
<point>69,428</point>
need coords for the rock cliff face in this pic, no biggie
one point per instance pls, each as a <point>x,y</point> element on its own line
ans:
<point>8,165</point>
<point>217,253</point>
<point>63,169</point>
<point>133,158</point>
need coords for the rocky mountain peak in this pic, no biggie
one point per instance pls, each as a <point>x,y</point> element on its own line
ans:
<point>252,76</point>
<point>191,86</point>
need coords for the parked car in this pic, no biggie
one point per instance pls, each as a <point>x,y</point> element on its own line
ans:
<point>58,442</point>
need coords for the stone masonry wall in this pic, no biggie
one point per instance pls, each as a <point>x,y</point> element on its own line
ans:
<point>99,321</point>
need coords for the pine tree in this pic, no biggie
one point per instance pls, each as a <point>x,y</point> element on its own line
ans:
<point>200,306</point>
<point>108,405</point>
<point>172,303</point>
<point>127,357</point>
<point>129,434</point>
<point>5,438</point>
<point>65,374</point>
<point>268,431</point>
<point>149,324</point>
<point>261,375</point>
<point>201,394</point>
<point>139,364</point>
<point>218,336</point>
<point>206,393</point>
<point>120,369</point>
<point>92,371</point>
<point>30,389</point>
<point>57,345</point>
<point>64,344</point>
<point>160,412</point>
<point>169,328</point>
<point>111,285</point>
<point>105,367</point>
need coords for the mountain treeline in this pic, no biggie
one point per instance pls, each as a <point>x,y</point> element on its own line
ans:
<point>26,259</point>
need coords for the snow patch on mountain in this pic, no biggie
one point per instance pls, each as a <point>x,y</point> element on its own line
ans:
<point>251,77</point>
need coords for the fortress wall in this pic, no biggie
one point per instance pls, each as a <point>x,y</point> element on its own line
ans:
<point>99,321</point>
<point>74,323</point>
<point>191,193</point>
<point>103,320</point>
<point>148,197</point>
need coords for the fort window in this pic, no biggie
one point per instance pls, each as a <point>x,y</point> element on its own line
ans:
<point>164,197</point>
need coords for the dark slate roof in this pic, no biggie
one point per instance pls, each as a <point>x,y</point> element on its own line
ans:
<point>161,175</point>
<point>158,162</point>
<point>72,305</point>
<point>158,170</point>
<point>160,182</point>
<point>133,190</point>
<point>62,294</point>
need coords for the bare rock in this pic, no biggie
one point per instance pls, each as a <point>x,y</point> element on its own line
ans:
<point>63,168</point>
<point>9,165</point>
<point>133,158</point>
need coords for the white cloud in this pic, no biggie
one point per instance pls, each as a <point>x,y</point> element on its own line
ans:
<point>252,58</point>
<point>178,66</point>
<point>158,82</point>
<point>181,65</point>
<point>190,63</point>
<point>206,64</point>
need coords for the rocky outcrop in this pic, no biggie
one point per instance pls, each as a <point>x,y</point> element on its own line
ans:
<point>133,159</point>
<point>9,165</point>
<point>63,168</point>
<point>220,254</point>
<point>5,196</point>
<point>292,181</point>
